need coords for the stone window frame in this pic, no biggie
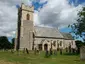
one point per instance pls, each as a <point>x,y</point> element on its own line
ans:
<point>54,43</point>
<point>28,16</point>
<point>61,43</point>
<point>72,42</point>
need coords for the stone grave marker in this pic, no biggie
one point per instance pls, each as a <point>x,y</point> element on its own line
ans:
<point>82,53</point>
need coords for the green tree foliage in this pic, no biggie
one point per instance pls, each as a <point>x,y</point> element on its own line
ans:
<point>79,44</point>
<point>4,43</point>
<point>79,27</point>
<point>13,40</point>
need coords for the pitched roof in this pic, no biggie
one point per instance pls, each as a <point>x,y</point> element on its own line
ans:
<point>47,32</point>
<point>67,36</point>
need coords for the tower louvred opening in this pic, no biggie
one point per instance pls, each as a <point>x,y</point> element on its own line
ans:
<point>28,17</point>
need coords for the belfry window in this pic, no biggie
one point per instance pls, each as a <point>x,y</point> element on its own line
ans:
<point>28,17</point>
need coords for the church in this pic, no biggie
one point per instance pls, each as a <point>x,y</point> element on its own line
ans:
<point>31,37</point>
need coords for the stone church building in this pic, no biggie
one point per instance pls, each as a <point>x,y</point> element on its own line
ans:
<point>31,37</point>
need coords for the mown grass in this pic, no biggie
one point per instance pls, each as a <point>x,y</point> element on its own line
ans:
<point>21,58</point>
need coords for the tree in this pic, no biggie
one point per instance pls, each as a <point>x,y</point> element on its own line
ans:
<point>4,43</point>
<point>13,41</point>
<point>79,27</point>
<point>79,44</point>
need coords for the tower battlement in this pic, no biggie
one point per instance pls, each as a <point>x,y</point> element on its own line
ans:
<point>26,7</point>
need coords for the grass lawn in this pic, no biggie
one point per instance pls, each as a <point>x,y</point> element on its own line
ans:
<point>9,58</point>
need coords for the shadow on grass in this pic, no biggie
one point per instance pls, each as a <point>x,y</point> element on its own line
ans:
<point>80,60</point>
<point>70,54</point>
<point>77,60</point>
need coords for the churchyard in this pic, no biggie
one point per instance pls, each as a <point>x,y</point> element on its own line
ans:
<point>7,57</point>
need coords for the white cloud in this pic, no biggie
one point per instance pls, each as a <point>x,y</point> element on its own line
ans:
<point>8,18</point>
<point>36,18</point>
<point>58,13</point>
<point>42,1</point>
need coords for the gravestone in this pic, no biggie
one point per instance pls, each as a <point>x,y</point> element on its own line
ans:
<point>55,52</point>
<point>69,48</point>
<point>82,53</point>
<point>27,51</point>
<point>50,51</point>
<point>24,50</point>
<point>60,51</point>
<point>66,49</point>
<point>35,51</point>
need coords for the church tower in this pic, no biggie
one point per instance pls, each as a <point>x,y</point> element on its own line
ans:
<point>25,27</point>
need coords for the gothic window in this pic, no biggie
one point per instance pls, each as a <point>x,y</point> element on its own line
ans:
<point>33,35</point>
<point>60,43</point>
<point>54,43</point>
<point>72,42</point>
<point>47,40</point>
<point>57,41</point>
<point>28,17</point>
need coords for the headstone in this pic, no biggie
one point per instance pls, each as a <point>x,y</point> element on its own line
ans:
<point>82,53</point>
<point>66,49</point>
<point>50,51</point>
<point>12,51</point>
<point>55,52</point>
<point>27,51</point>
<point>60,51</point>
<point>24,50</point>
<point>73,50</point>
<point>35,51</point>
<point>69,48</point>
<point>46,53</point>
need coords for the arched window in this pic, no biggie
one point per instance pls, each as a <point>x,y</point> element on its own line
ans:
<point>28,17</point>
<point>60,43</point>
<point>54,43</point>
<point>72,42</point>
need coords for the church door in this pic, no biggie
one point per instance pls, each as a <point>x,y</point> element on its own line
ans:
<point>45,46</point>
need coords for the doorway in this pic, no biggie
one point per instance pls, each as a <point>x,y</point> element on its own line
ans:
<point>45,46</point>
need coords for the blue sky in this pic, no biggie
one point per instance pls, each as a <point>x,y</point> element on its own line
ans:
<point>76,2</point>
<point>38,5</point>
